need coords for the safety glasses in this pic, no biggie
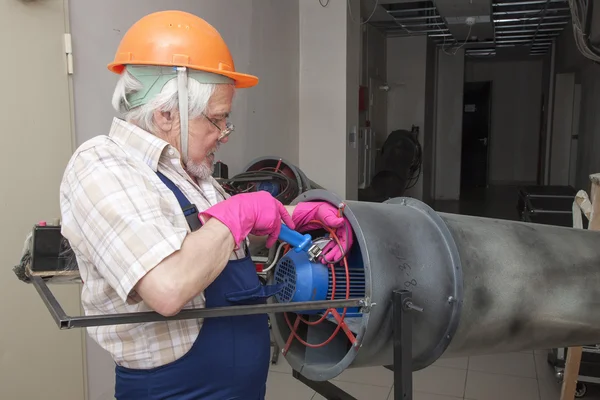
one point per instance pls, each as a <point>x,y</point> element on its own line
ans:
<point>224,132</point>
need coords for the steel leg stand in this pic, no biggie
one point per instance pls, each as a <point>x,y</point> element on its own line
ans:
<point>403,384</point>
<point>325,389</point>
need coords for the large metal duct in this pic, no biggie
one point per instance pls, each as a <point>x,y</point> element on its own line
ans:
<point>484,286</point>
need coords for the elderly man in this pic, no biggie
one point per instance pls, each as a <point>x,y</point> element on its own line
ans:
<point>152,230</point>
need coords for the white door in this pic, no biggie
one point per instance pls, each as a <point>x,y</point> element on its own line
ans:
<point>37,360</point>
<point>562,129</point>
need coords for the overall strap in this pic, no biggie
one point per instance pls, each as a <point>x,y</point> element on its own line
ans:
<point>189,210</point>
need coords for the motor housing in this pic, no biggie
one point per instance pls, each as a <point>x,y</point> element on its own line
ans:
<point>304,280</point>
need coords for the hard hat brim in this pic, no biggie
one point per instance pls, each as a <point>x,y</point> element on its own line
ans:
<point>241,80</point>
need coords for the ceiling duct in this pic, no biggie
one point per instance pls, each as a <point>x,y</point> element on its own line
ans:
<point>530,25</point>
<point>515,27</point>
<point>411,18</point>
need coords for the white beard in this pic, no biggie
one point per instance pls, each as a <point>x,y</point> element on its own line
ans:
<point>199,171</point>
<point>205,169</point>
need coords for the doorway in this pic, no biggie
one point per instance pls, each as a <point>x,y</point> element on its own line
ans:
<point>475,135</point>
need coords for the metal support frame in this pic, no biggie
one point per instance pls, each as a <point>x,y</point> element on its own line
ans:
<point>403,383</point>
<point>402,305</point>
<point>65,321</point>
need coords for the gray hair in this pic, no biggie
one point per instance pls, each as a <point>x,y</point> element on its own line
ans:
<point>167,100</point>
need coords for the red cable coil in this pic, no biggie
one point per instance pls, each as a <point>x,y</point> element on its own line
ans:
<point>340,319</point>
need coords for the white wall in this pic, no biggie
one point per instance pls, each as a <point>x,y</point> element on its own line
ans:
<point>448,129</point>
<point>406,65</point>
<point>37,359</point>
<point>353,43</point>
<point>428,130</point>
<point>587,73</point>
<point>374,75</point>
<point>588,146</point>
<point>406,72</point>
<point>263,38</point>
<point>329,40</point>
<point>374,55</point>
<point>516,111</point>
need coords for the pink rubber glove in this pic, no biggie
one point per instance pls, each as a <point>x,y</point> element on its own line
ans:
<point>257,213</point>
<point>328,215</point>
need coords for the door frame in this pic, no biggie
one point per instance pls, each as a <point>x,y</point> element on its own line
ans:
<point>490,139</point>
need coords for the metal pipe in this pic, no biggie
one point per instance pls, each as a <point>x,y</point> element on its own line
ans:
<point>56,311</point>
<point>525,3</point>
<point>417,18</point>
<point>419,31</point>
<point>522,40</point>
<point>529,11</point>
<point>393,24</point>
<point>485,286</point>
<point>557,31</point>
<point>414,10</point>
<point>543,17</point>
<point>530,18</point>
<point>500,36</point>
<point>532,25</point>
<point>67,322</point>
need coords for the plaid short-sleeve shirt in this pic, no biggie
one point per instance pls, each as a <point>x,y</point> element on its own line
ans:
<point>121,221</point>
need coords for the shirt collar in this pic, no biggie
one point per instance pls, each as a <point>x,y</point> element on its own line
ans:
<point>139,143</point>
<point>149,148</point>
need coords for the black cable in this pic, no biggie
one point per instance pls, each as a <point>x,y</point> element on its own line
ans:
<point>417,162</point>
<point>324,5</point>
<point>249,181</point>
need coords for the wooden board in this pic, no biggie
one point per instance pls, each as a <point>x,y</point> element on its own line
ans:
<point>573,360</point>
<point>571,373</point>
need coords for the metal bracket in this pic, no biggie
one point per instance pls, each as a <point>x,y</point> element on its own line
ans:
<point>403,385</point>
<point>65,321</point>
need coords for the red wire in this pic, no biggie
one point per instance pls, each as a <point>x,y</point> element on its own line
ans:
<point>329,309</point>
<point>339,319</point>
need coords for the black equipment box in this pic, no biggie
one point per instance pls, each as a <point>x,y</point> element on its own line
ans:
<point>50,250</point>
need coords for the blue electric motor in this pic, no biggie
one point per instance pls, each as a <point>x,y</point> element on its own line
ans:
<point>304,280</point>
<point>269,186</point>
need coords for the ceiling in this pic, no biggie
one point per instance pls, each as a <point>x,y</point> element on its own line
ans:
<point>501,27</point>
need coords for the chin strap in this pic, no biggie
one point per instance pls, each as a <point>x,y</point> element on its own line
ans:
<point>182,81</point>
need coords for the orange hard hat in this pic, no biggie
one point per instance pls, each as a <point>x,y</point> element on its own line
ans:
<point>178,39</point>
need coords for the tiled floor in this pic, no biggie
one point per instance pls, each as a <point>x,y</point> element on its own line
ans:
<point>513,376</point>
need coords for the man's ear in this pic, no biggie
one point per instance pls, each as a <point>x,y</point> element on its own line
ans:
<point>163,120</point>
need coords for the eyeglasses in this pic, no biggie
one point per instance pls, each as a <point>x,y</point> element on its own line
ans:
<point>224,132</point>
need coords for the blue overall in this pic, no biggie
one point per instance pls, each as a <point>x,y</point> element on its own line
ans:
<point>230,358</point>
